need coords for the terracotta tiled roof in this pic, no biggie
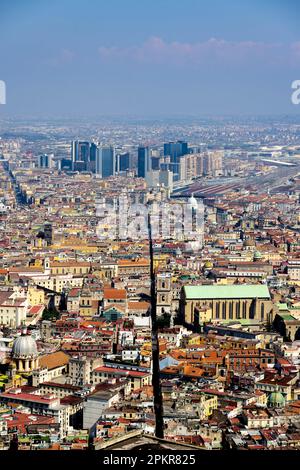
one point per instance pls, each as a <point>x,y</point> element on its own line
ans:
<point>23,269</point>
<point>54,360</point>
<point>70,264</point>
<point>36,309</point>
<point>130,263</point>
<point>138,305</point>
<point>114,293</point>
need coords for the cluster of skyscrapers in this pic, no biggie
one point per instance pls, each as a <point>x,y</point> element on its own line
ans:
<point>104,161</point>
<point>176,161</point>
<point>179,162</point>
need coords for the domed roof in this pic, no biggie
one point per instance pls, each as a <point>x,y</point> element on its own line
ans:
<point>24,347</point>
<point>257,255</point>
<point>208,264</point>
<point>276,399</point>
<point>249,242</point>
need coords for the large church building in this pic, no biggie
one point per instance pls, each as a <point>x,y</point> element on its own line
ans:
<point>226,303</point>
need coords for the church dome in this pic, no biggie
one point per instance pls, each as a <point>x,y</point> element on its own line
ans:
<point>208,265</point>
<point>24,347</point>
<point>249,242</point>
<point>257,255</point>
<point>276,399</point>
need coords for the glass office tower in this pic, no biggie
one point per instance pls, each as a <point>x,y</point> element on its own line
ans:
<point>144,161</point>
<point>105,161</point>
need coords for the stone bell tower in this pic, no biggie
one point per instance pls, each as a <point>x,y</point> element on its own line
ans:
<point>164,293</point>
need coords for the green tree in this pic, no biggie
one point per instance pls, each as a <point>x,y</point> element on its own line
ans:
<point>164,320</point>
<point>50,314</point>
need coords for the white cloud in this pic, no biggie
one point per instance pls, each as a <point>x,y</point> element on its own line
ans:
<point>156,50</point>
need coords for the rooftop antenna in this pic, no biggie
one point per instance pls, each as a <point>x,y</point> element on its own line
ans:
<point>158,402</point>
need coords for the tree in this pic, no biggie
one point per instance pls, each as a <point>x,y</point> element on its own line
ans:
<point>50,314</point>
<point>164,320</point>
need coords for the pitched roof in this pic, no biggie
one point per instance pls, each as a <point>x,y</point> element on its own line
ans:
<point>110,293</point>
<point>132,263</point>
<point>138,305</point>
<point>250,291</point>
<point>54,360</point>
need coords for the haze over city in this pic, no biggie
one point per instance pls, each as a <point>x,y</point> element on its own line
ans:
<point>150,230</point>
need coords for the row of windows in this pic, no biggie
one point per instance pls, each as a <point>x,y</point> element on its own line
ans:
<point>250,360</point>
<point>67,271</point>
<point>221,310</point>
<point>5,320</point>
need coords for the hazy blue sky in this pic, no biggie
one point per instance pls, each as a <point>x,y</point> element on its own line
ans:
<point>149,57</point>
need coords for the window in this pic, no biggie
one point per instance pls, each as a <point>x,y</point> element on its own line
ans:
<point>231,310</point>
<point>244,310</point>
<point>238,309</point>
<point>224,310</point>
<point>262,311</point>
<point>218,310</point>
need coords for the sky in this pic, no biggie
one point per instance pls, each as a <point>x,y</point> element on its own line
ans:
<point>73,58</point>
